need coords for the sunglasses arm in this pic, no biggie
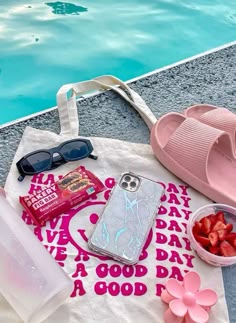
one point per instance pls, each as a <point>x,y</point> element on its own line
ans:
<point>94,157</point>
<point>21,178</point>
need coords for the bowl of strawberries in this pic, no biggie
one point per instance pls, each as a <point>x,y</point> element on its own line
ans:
<point>212,233</point>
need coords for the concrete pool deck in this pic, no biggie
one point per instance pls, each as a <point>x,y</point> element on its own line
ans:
<point>206,79</point>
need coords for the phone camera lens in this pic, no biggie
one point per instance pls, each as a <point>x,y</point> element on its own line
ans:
<point>127,178</point>
<point>132,184</point>
<point>124,185</point>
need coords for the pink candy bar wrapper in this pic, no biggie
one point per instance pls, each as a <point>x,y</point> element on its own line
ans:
<point>74,188</point>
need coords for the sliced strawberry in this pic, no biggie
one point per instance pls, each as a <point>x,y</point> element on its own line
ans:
<point>222,234</point>
<point>212,218</point>
<point>205,242</point>
<point>206,225</point>
<point>220,217</point>
<point>218,226</point>
<point>232,243</point>
<point>230,236</point>
<point>214,250</point>
<point>229,227</point>
<point>214,238</point>
<point>227,250</point>
<point>197,227</point>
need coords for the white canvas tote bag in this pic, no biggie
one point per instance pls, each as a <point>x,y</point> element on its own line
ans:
<point>105,290</point>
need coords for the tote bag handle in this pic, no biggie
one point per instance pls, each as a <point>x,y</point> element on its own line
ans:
<point>67,107</point>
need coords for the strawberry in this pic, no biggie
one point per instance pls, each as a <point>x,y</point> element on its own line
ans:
<point>214,238</point>
<point>206,225</point>
<point>220,217</point>
<point>205,242</point>
<point>214,250</point>
<point>212,218</point>
<point>232,243</point>
<point>227,250</point>
<point>218,226</point>
<point>197,227</point>
<point>215,235</point>
<point>222,234</point>
<point>230,236</point>
<point>229,227</point>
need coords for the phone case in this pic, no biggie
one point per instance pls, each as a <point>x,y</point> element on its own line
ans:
<point>123,227</point>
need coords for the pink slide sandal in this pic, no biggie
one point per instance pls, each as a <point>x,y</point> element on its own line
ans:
<point>217,117</point>
<point>200,155</point>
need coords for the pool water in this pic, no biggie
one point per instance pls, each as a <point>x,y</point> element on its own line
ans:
<point>44,45</point>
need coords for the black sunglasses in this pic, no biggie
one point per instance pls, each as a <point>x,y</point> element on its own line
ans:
<point>45,159</point>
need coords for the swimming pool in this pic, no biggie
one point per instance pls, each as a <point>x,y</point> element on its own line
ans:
<point>47,44</point>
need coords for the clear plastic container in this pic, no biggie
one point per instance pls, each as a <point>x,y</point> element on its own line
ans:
<point>30,279</point>
<point>230,216</point>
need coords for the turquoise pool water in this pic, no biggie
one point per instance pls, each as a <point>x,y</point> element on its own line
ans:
<point>44,45</point>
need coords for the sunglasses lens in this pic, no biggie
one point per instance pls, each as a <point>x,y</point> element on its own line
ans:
<point>36,162</point>
<point>75,150</point>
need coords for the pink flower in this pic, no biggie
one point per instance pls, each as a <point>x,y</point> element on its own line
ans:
<point>186,302</point>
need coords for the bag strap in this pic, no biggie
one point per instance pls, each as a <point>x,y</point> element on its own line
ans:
<point>67,107</point>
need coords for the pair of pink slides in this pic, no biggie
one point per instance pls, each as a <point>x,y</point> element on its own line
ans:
<point>199,147</point>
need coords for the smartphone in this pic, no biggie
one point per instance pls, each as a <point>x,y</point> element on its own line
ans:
<point>127,218</point>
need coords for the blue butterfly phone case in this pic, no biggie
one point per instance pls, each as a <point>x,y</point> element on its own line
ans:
<point>122,229</point>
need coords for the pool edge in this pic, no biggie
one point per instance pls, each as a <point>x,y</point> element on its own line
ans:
<point>156,71</point>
